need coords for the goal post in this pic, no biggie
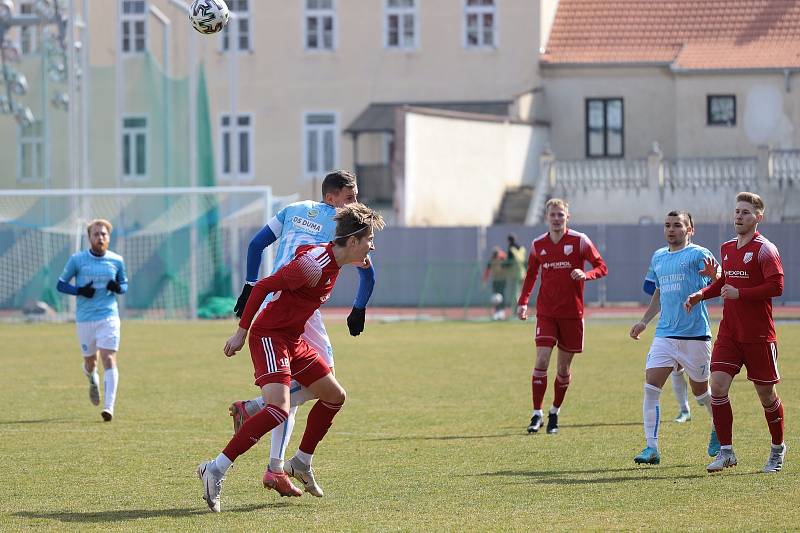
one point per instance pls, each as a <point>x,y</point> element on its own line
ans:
<point>184,247</point>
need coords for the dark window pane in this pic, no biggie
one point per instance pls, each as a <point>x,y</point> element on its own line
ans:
<point>226,153</point>
<point>126,154</point>
<point>244,152</point>
<point>141,149</point>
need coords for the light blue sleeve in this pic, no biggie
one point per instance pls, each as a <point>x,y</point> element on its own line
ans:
<point>70,270</point>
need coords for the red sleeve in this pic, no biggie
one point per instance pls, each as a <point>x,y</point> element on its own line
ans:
<point>713,290</point>
<point>297,273</point>
<point>530,277</point>
<point>772,287</point>
<point>591,254</point>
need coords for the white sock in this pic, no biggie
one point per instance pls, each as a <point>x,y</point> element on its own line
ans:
<point>538,412</point>
<point>554,410</point>
<point>260,402</point>
<point>110,381</point>
<point>304,457</point>
<point>681,390</point>
<point>705,401</point>
<point>280,440</point>
<point>651,411</point>
<point>222,463</point>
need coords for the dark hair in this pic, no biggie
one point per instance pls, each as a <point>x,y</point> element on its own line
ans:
<point>355,220</point>
<point>685,214</point>
<point>337,180</point>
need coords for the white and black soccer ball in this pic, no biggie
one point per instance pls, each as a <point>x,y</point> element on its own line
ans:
<point>496,298</point>
<point>208,16</point>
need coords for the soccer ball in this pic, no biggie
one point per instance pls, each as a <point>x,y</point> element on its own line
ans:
<point>208,16</point>
<point>496,298</point>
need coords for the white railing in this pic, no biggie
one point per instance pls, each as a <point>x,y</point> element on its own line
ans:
<point>710,172</point>
<point>601,173</point>
<point>785,166</point>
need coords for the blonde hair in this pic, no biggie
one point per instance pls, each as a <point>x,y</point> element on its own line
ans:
<point>557,202</point>
<point>752,199</point>
<point>355,220</point>
<point>99,222</point>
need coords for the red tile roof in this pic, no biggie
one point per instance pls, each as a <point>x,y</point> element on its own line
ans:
<point>688,34</point>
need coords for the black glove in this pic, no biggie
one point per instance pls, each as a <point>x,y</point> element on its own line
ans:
<point>355,321</point>
<point>238,309</point>
<point>86,291</point>
<point>113,286</point>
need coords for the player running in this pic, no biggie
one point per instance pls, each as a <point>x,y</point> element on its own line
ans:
<point>279,352</point>
<point>752,274</point>
<point>681,339</point>
<point>561,253</point>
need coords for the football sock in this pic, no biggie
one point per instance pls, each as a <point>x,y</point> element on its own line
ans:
<point>774,416</point>
<point>723,419</point>
<point>681,390</point>
<point>651,413</point>
<point>253,406</point>
<point>538,412</point>
<point>110,381</point>
<point>319,421</point>
<point>222,463</point>
<point>705,401</point>
<point>304,457</point>
<point>280,437</point>
<point>253,429</point>
<point>275,465</point>
<point>554,410</point>
<point>538,387</point>
<point>560,385</point>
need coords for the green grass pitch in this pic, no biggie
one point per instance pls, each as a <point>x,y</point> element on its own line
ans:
<point>432,438</point>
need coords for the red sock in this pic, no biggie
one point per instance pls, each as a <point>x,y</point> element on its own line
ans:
<point>561,385</point>
<point>774,416</point>
<point>319,422</point>
<point>723,419</point>
<point>538,387</point>
<point>253,429</point>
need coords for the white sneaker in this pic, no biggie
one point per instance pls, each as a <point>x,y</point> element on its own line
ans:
<point>94,389</point>
<point>212,484</point>
<point>725,459</point>
<point>775,460</point>
<point>305,475</point>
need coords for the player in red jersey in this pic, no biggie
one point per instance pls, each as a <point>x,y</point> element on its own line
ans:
<point>279,353</point>
<point>561,254</point>
<point>752,274</point>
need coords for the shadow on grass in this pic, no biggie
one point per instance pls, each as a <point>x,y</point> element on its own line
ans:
<point>567,477</point>
<point>446,437</point>
<point>136,514</point>
<point>37,421</point>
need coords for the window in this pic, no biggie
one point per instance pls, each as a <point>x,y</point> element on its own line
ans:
<point>320,20</point>
<point>721,109</point>
<point>320,150</point>
<point>134,148</point>
<point>241,155</point>
<point>242,10</point>
<point>604,127</point>
<point>134,26</point>
<point>27,34</point>
<point>480,24</point>
<point>30,166</point>
<point>401,24</point>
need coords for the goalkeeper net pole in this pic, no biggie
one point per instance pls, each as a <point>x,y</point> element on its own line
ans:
<point>178,244</point>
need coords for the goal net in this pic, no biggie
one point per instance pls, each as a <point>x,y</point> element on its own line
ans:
<point>184,248</point>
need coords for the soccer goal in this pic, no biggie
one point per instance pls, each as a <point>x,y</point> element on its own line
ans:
<point>184,248</point>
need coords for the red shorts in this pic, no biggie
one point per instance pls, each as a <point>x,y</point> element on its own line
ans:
<point>278,360</point>
<point>760,358</point>
<point>567,333</point>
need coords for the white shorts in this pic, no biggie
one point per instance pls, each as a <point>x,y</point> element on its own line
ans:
<point>692,355</point>
<point>317,337</point>
<point>99,334</point>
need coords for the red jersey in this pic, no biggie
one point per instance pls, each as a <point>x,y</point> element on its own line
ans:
<point>756,270</point>
<point>560,296</point>
<point>301,286</point>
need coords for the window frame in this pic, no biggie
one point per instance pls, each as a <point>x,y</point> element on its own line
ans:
<point>25,7</point>
<point>237,129</point>
<point>320,14</point>
<point>400,12</point>
<point>133,131</point>
<point>712,122</point>
<point>132,19</point>
<point>306,129</point>
<point>587,130</point>
<point>246,16</point>
<point>480,11</point>
<point>37,147</point>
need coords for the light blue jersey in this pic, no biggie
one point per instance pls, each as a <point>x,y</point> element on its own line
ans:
<point>305,222</point>
<point>676,275</point>
<point>85,268</point>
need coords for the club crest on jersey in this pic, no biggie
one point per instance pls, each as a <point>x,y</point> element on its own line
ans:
<point>543,252</point>
<point>312,213</point>
<point>567,249</point>
<point>306,225</point>
<point>747,257</point>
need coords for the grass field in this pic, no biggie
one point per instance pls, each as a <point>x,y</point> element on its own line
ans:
<point>432,438</point>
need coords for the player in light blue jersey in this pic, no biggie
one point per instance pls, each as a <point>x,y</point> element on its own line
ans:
<point>99,277</point>
<point>681,339</point>
<point>300,223</point>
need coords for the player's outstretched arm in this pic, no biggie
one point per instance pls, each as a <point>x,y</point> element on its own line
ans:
<point>366,283</point>
<point>652,310</point>
<point>66,288</point>
<point>255,250</point>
